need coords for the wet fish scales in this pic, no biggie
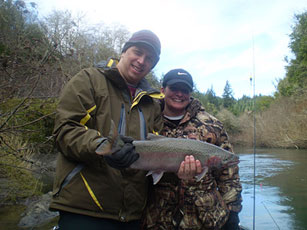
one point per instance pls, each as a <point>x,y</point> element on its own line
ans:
<point>161,154</point>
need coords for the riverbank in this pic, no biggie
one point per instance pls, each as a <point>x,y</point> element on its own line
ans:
<point>30,212</point>
<point>282,125</point>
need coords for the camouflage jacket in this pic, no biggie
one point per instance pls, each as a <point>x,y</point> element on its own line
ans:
<point>176,204</point>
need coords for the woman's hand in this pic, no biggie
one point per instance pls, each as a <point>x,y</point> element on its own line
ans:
<point>189,168</point>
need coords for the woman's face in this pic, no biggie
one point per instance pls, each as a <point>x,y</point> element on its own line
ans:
<point>177,98</point>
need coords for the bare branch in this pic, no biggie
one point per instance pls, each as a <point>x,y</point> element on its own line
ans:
<point>14,166</point>
<point>15,151</point>
<point>29,123</point>
<point>20,104</point>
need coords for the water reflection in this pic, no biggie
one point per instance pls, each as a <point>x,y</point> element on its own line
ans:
<point>281,188</point>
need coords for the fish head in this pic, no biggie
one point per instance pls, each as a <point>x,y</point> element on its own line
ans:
<point>221,161</point>
<point>229,160</point>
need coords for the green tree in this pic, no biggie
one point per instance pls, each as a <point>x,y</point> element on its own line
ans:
<point>208,100</point>
<point>242,105</point>
<point>228,99</point>
<point>295,81</point>
<point>212,98</point>
<point>263,103</point>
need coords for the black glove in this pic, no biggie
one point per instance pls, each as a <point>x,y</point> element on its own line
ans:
<point>123,153</point>
<point>232,222</point>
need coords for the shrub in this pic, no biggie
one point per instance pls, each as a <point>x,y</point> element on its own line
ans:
<point>33,121</point>
<point>229,121</point>
<point>15,169</point>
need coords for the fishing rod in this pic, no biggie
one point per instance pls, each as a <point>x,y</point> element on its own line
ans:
<point>254,141</point>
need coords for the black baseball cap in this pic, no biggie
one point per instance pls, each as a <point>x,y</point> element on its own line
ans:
<point>178,76</point>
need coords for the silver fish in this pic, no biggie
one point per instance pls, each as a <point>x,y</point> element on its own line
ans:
<point>159,154</point>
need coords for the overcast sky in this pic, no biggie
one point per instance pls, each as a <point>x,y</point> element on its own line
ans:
<point>213,40</point>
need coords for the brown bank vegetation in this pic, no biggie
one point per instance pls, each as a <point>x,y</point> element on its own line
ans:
<point>282,125</point>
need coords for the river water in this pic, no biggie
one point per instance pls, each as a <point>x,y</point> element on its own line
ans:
<point>280,188</point>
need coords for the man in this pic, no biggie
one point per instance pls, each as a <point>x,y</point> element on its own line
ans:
<point>93,187</point>
<point>215,201</point>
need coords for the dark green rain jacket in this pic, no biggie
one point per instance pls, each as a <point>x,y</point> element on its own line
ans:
<point>84,183</point>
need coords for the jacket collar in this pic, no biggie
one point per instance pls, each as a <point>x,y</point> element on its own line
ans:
<point>143,87</point>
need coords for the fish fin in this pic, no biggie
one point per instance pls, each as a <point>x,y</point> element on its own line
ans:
<point>113,133</point>
<point>156,176</point>
<point>202,174</point>
<point>106,147</point>
<point>151,136</point>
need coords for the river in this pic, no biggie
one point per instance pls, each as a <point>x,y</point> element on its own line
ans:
<point>280,188</point>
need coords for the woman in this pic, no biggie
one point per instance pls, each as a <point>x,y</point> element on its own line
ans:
<point>215,201</point>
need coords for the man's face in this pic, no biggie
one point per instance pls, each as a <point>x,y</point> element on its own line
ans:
<point>177,97</point>
<point>136,63</point>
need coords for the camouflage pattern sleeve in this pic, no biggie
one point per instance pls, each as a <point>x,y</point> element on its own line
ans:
<point>228,180</point>
<point>230,188</point>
